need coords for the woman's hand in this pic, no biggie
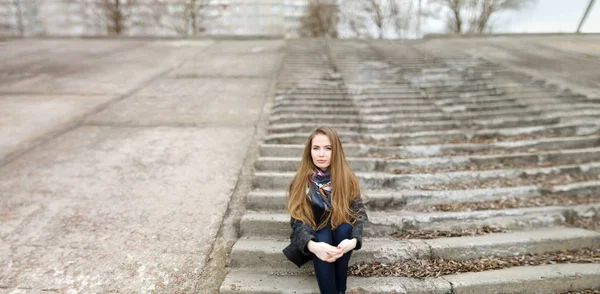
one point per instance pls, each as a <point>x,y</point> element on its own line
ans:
<point>324,251</point>
<point>347,245</point>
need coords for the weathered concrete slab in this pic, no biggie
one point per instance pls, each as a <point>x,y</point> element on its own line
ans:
<point>61,270</point>
<point>247,46</point>
<point>555,278</point>
<point>555,143</point>
<point>101,203</point>
<point>88,70</point>
<point>380,180</point>
<point>386,223</point>
<point>266,253</point>
<point>397,199</point>
<point>190,102</point>
<point>361,164</point>
<point>566,61</point>
<point>25,118</point>
<point>514,243</point>
<point>229,65</point>
<point>246,281</point>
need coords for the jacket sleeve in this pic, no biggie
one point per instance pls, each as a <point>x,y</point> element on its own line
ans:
<point>301,234</point>
<point>358,207</point>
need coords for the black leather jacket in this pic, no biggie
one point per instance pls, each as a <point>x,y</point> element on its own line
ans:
<point>297,251</point>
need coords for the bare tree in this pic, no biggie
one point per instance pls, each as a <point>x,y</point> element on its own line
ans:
<point>321,19</point>
<point>19,15</point>
<point>185,19</point>
<point>351,16</point>
<point>375,9</point>
<point>26,18</point>
<point>117,13</point>
<point>163,19</point>
<point>488,7</point>
<point>454,21</point>
<point>193,14</point>
<point>109,16</point>
<point>378,18</point>
<point>477,12</point>
<point>401,19</point>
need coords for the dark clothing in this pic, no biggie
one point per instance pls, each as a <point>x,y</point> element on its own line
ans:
<point>319,214</point>
<point>297,251</point>
<point>332,277</point>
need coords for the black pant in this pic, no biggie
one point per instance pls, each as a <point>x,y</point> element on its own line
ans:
<point>332,277</point>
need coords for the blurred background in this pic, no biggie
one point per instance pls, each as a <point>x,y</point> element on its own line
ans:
<point>373,19</point>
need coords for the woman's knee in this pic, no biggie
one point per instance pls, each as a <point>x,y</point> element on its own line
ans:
<point>324,235</point>
<point>343,231</point>
<point>345,227</point>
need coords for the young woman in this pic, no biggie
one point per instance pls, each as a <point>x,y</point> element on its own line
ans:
<point>326,210</point>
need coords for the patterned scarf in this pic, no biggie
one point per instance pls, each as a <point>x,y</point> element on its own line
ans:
<point>319,189</point>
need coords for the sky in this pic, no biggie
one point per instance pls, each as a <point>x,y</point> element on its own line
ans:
<point>545,16</point>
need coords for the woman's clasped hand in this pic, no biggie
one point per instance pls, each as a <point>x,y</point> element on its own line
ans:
<point>328,253</point>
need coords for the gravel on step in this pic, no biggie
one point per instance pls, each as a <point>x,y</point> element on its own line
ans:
<point>507,203</point>
<point>432,234</point>
<point>482,166</point>
<point>524,180</point>
<point>588,223</point>
<point>426,268</point>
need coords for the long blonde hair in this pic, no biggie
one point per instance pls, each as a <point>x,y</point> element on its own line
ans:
<point>344,185</point>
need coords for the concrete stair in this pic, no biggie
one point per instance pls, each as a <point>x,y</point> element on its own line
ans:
<point>260,252</point>
<point>556,278</point>
<point>420,131</point>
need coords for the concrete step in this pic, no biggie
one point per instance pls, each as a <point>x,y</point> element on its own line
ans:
<point>521,112</point>
<point>315,111</point>
<point>249,252</point>
<point>570,106</point>
<point>403,117</point>
<point>410,199</point>
<point>554,278</point>
<point>336,118</point>
<point>580,189</point>
<point>352,103</point>
<point>512,122</point>
<point>309,92</point>
<point>450,163</point>
<point>436,137</point>
<point>377,181</point>
<point>425,110</point>
<point>254,281</point>
<point>368,128</point>
<point>355,150</point>
<point>383,223</point>
<point>265,200</point>
<point>417,126</point>
<point>555,102</point>
<point>486,94</point>
<point>572,115</point>
<point>478,101</point>
<point>357,98</point>
<point>446,94</point>
<point>478,86</point>
<point>482,107</point>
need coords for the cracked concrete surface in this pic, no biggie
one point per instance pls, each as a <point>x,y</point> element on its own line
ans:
<point>115,174</point>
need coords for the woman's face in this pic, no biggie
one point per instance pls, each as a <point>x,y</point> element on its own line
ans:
<point>321,151</point>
